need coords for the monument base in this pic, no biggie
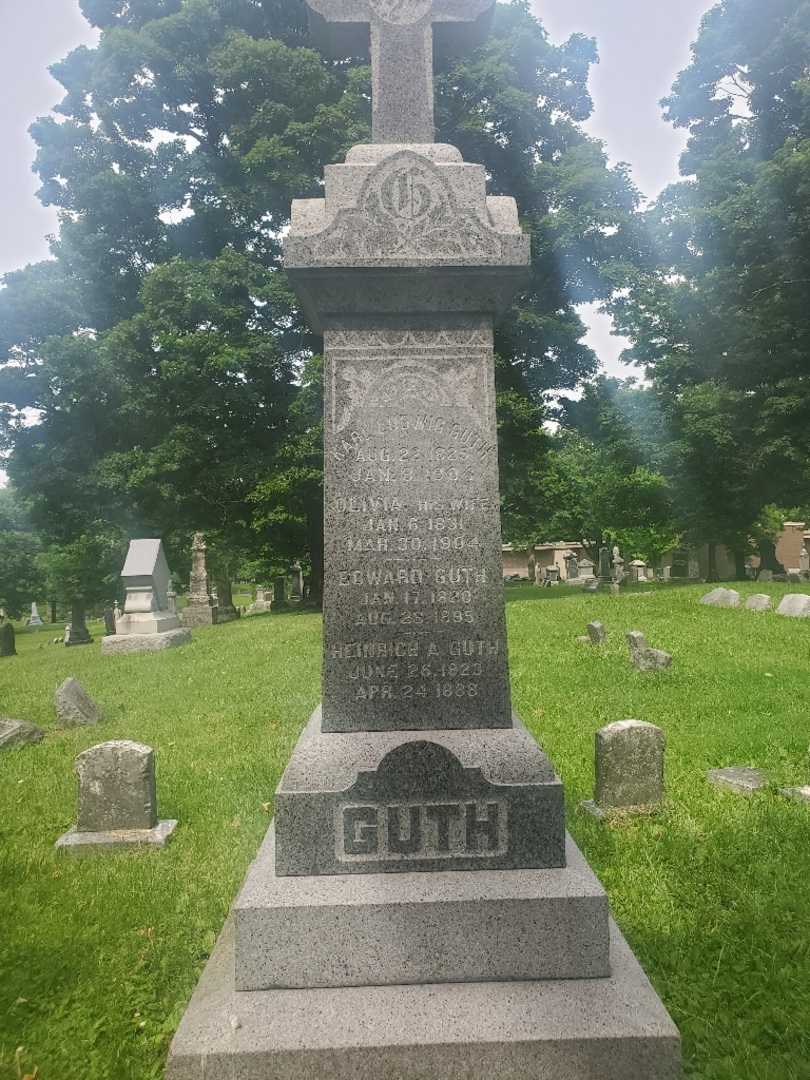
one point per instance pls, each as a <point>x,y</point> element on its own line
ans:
<point>612,1028</point>
<point>137,643</point>
<point>85,842</point>
<point>448,926</point>
<point>199,614</point>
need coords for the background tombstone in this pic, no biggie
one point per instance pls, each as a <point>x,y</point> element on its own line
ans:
<point>35,619</point>
<point>721,597</point>
<point>74,706</point>
<point>419,835</point>
<point>18,733</point>
<point>605,571</point>
<point>76,632</point>
<point>643,657</point>
<point>146,624</point>
<point>226,609</point>
<point>117,799</point>
<point>279,590</point>
<point>297,587</point>
<point>109,621</point>
<point>200,609</point>
<point>8,645</point>
<point>795,605</point>
<point>629,768</point>
<point>262,603</point>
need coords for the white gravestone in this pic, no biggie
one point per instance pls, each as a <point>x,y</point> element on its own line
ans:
<point>147,623</point>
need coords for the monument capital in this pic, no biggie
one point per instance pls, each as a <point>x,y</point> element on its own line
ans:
<point>399,36</point>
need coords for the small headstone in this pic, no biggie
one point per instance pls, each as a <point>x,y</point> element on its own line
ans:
<point>74,705</point>
<point>794,576</point>
<point>117,799</point>
<point>759,602</point>
<point>76,632</point>
<point>592,586</point>
<point>280,590</point>
<point>597,634</point>
<point>629,767</point>
<point>262,603</point>
<point>765,575</point>
<point>35,619</point>
<point>795,605</point>
<point>605,572</point>
<point>798,794</point>
<point>721,597</point>
<point>643,657</point>
<point>109,621</point>
<point>615,588</point>
<point>18,733</point>
<point>7,643</point>
<point>740,779</point>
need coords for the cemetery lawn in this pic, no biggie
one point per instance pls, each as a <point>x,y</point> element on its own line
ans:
<point>99,955</point>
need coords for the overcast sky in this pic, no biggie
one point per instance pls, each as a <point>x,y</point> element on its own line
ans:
<point>643,44</point>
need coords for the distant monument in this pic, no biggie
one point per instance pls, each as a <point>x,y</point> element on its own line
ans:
<point>35,619</point>
<point>76,632</point>
<point>200,609</point>
<point>416,909</point>
<point>146,623</point>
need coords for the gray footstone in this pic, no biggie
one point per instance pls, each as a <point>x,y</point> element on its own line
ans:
<point>419,839</point>
<point>795,605</point>
<point>18,733</point>
<point>629,767</point>
<point>74,705</point>
<point>643,657</point>
<point>138,643</point>
<point>117,799</point>
<point>740,779</point>
<point>721,598</point>
<point>759,602</point>
<point>597,633</point>
<point>798,794</point>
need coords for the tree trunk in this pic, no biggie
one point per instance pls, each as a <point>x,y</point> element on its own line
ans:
<point>52,604</point>
<point>739,565</point>
<point>712,574</point>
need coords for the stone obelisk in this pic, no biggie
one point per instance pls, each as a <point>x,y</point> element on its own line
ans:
<point>416,910</point>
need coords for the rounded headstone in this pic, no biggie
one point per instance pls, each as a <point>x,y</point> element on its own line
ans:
<point>629,764</point>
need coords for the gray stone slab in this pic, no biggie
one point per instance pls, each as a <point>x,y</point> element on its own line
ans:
<point>74,706</point>
<point>612,1028</point>
<point>759,602</point>
<point>798,794</point>
<point>597,634</point>
<point>740,779</point>
<point>450,926</point>
<point>643,657</point>
<point>116,644</point>
<point>84,843</point>
<point>116,787</point>
<point>200,613</point>
<point>721,597</point>
<point>795,605</point>
<point>629,765</point>
<point>358,803</point>
<point>18,733</point>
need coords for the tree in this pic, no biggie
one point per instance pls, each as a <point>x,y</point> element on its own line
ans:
<point>182,139</point>
<point>717,312</point>
<point>21,580</point>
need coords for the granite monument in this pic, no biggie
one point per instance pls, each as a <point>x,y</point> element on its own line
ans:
<point>146,624</point>
<point>200,609</point>
<point>416,909</point>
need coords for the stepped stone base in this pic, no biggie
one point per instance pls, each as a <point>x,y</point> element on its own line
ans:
<point>585,1029</point>
<point>136,643</point>
<point>449,926</point>
<point>402,801</point>
<point>199,614</point>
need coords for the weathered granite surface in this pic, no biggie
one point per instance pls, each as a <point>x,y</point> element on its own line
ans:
<point>138,643</point>
<point>562,1029</point>
<point>795,605</point>
<point>117,799</point>
<point>18,733</point>
<point>356,803</point>
<point>74,705</point>
<point>643,657</point>
<point>147,582</point>
<point>798,794</point>
<point>629,765</point>
<point>759,602</point>
<point>447,926</point>
<point>597,634</point>
<point>741,779</point>
<point>200,609</point>
<point>721,597</point>
<point>116,787</point>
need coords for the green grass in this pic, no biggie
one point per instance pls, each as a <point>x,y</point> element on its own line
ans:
<point>99,955</point>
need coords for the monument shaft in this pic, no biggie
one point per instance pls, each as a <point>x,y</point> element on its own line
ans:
<point>414,634</point>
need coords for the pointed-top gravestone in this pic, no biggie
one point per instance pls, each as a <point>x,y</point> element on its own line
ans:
<point>147,624</point>
<point>200,609</point>
<point>399,35</point>
<point>36,619</point>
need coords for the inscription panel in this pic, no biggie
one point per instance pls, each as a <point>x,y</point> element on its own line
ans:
<point>414,619</point>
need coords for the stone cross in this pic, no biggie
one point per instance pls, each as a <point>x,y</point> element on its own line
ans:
<point>401,45</point>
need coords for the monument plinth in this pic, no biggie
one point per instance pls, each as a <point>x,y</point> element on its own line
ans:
<point>200,609</point>
<point>416,909</point>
